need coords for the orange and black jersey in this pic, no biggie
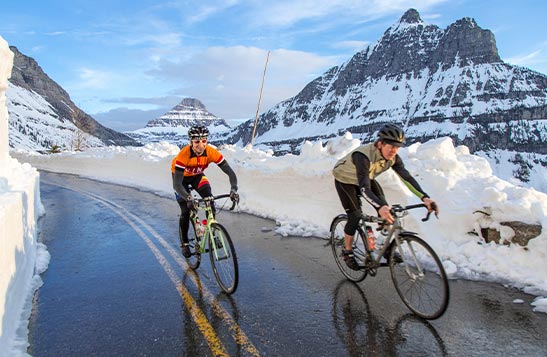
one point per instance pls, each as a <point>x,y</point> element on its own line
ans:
<point>194,165</point>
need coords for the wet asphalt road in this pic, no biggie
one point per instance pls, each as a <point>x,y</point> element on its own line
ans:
<point>117,286</point>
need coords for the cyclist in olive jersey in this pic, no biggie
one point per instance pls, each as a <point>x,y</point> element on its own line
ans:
<point>355,176</point>
<point>187,171</point>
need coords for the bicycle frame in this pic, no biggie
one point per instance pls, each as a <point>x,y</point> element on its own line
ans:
<point>393,235</point>
<point>204,204</point>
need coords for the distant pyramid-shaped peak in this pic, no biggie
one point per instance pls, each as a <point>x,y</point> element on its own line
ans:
<point>188,112</point>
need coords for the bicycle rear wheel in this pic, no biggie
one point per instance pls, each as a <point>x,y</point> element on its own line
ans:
<point>337,244</point>
<point>223,258</point>
<point>419,277</point>
<point>194,260</point>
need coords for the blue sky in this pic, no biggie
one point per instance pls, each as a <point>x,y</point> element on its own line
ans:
<point>126,62</point>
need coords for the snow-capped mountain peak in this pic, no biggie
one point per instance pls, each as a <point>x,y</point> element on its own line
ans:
<point>188,112</point>
<point>173,126</point>
<point>410,19</point>
<point>434,82</point>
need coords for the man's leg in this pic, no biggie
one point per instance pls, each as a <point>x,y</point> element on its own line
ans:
<point>204,190</point>
<point>184,224</point>
<point>352,205</point>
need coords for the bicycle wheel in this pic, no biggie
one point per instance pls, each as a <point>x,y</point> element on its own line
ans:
<point>419,277</point>
<point>223,258</point>
<point>337,244</point>
<point>194,260</point>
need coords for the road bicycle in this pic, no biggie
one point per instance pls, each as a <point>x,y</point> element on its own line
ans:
<point>416,270</point>
<point>210,236</point>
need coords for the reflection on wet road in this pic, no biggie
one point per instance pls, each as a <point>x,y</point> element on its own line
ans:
<point>118,285</point>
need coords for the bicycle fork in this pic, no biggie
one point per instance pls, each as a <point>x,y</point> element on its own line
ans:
<point>411,275</point>
<point>218,243</point>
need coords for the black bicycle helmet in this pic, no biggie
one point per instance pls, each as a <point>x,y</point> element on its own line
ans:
<point>198,132</point>
<point>392,134</point>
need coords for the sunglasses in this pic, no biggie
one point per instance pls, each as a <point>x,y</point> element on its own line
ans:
<point>197,141</point>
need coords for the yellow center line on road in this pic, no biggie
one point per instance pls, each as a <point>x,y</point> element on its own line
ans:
<point>237,333</point>
<point>214,342</point>
<point>197,314</point>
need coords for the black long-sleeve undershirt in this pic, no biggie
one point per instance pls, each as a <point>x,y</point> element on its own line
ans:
<point>362,164</point>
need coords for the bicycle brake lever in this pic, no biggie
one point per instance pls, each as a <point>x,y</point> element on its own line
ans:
<point>429,214</point>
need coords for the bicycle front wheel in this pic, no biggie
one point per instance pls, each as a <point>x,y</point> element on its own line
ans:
<point>223,258</point>
<point>419,277</point>
<point>337,244</point>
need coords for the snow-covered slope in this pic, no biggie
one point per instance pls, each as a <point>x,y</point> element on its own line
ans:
<point>41,113</point>
<point>35,125</point>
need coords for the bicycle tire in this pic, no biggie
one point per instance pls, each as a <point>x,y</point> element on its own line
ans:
<point>225,267</point>
<point>337,244</point>
<point>426,294</point>
<point>194,260</point>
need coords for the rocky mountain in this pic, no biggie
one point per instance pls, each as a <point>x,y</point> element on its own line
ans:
<point>431,81</point>
<point>173,126</point>
<point>188,112</point>
<point>41,113</point>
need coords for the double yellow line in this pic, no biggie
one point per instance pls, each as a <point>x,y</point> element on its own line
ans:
<point>215,344</point>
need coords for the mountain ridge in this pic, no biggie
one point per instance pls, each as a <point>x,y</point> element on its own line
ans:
<point>453,78</point>
<point>29,76</point>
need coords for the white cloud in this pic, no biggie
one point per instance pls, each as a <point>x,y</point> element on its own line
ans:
<point>165,40</point>
<point>37,49</point>
<point>287,13</point>
<point>93,79</point>
<point>205,11</point>
<point>353,45</point>
<point>228,79</point>
<point>242,63</point>
<point>525,60</point>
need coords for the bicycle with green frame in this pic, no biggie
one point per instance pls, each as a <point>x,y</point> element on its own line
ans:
<point>416,270</point>
<point>211,237</point>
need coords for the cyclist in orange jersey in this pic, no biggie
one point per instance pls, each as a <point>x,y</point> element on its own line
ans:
<point>187,171</point>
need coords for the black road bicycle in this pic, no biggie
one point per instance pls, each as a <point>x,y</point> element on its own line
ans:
<point>416,270</point>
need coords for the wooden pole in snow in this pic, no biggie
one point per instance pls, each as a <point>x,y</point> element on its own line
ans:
<point>260,98</point>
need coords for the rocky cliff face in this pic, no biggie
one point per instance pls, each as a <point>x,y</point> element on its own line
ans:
<point>433,82</point>
<point>28,76</point>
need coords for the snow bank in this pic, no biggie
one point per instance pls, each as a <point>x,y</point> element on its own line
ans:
<point>20,207</point>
